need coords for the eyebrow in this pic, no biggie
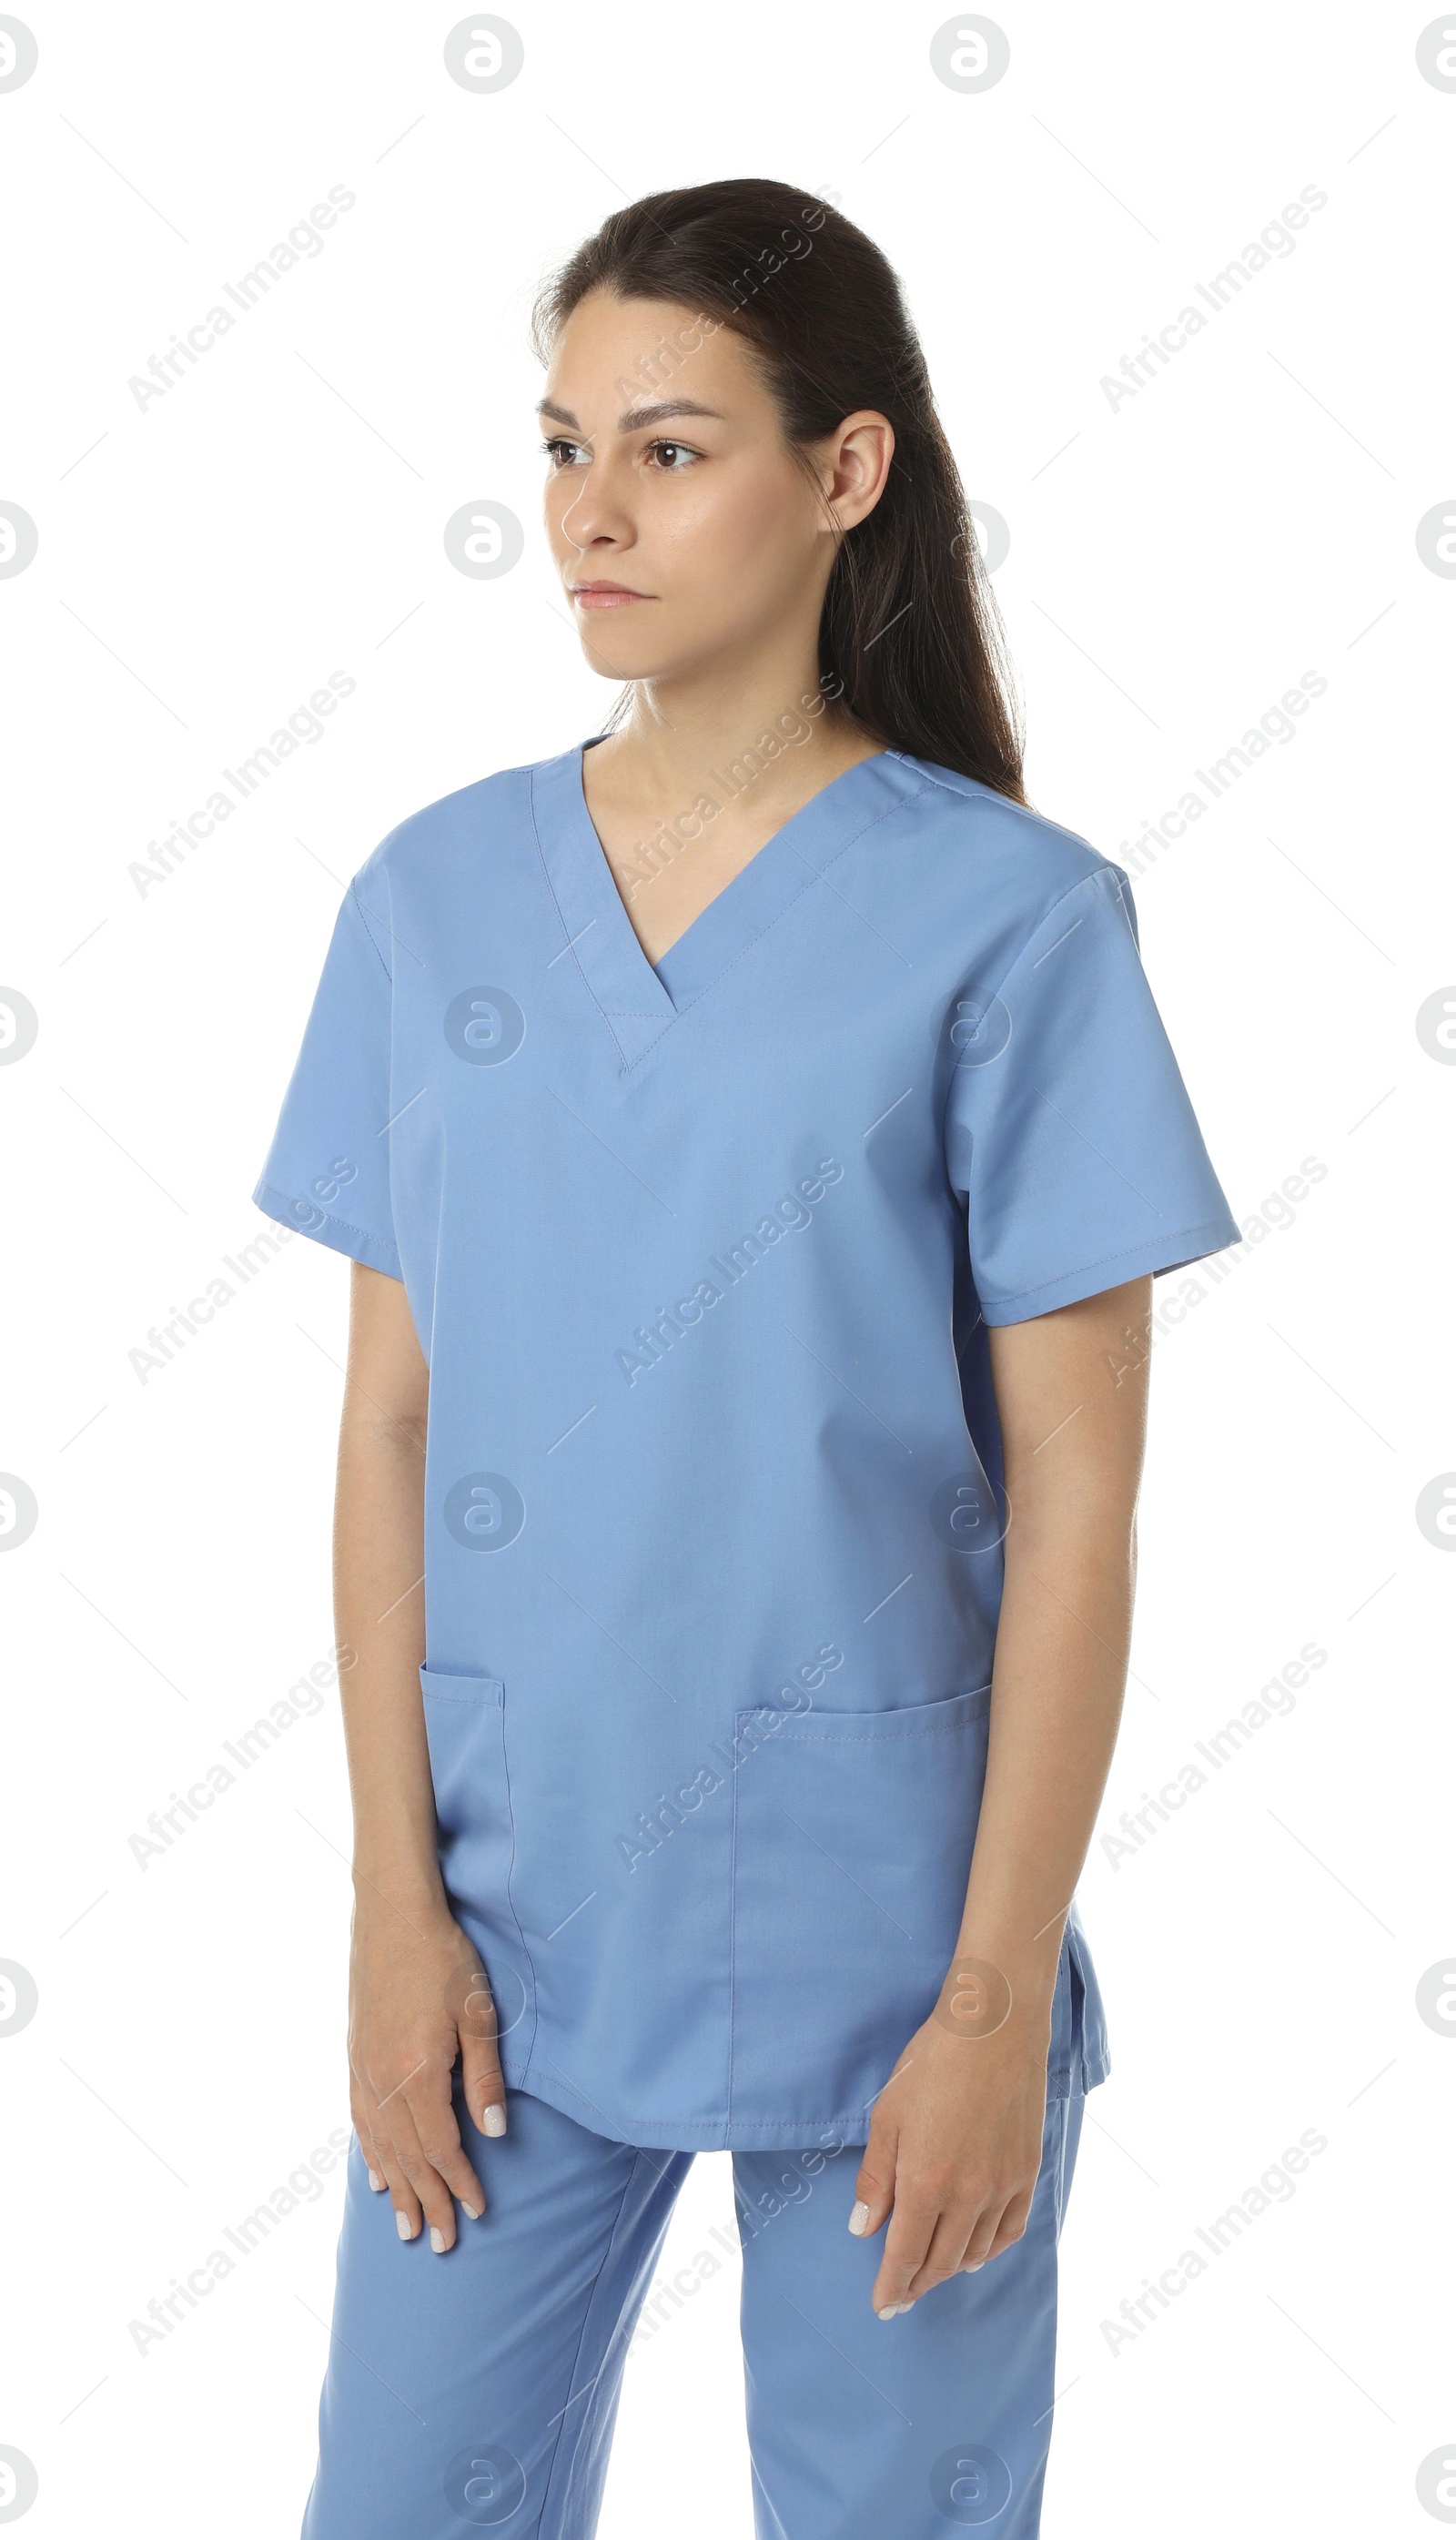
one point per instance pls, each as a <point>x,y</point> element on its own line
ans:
<point>636,417</point>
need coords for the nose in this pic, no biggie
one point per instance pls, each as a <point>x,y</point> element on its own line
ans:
<point>594,515</point>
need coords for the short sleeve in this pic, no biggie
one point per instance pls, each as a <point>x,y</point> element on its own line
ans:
<point>327,1173</point>
<point>1070,1136</point>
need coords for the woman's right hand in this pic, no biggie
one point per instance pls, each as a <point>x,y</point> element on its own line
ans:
<point>418,1998</point>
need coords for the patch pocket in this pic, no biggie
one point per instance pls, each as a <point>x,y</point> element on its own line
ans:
<point>465,1724</point>
<point>853,1834</point>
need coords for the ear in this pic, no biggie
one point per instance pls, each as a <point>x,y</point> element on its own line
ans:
<point>854,465</point>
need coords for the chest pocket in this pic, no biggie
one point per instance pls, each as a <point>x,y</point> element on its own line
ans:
<point>853,1834</point>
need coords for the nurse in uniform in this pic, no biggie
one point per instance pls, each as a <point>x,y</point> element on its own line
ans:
<point>756,1138</point>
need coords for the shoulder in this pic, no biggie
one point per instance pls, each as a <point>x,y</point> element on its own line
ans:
<point>1036,859</point>
<point>1005,872</point>
<point>495,812</point>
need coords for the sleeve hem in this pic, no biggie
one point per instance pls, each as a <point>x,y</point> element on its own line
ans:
<point>301,1217</point>
<point>1159,1253</point>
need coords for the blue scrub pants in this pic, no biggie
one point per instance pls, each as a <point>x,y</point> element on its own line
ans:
<point>480,2389</point>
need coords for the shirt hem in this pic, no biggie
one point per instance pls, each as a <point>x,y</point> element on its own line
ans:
<point>304,1217</point>
<point>739,2133</point>
<point>1160,1253</point>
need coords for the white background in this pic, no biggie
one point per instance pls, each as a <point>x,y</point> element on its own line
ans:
<point>1175,565</point>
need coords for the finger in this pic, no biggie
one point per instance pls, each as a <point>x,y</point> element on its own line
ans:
<point>912,2224</point>
<point>480,2059</point>
<point>958,2225</point>
<point>432,2106</point>
<point>994,2235</point>
<point>401,2195</point>
<point>436,2203</point>
<point>360,2121</point>
<point>875,2187</point>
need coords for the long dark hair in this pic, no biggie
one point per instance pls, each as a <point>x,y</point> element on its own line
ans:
<point>910,639</point>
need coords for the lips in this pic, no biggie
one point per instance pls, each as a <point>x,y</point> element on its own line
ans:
<point>606,595</point>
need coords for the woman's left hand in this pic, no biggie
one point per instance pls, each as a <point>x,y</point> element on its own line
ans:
<point>954,2152</point>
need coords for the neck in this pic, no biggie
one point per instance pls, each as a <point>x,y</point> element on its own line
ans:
<point>686,736</point>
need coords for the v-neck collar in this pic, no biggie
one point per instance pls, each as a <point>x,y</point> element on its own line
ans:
<point>639,999</point>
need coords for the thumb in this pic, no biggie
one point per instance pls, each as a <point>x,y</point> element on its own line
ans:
<point>480,2059</point>
<point>875,2186</point>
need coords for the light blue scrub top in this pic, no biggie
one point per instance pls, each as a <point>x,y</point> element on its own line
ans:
<point>701,1255</point>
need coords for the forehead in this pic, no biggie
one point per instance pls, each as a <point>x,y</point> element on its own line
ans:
<point>616,361</point>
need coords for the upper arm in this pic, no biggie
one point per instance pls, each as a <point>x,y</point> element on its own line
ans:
<point>389,1381</point>
<point>1071,1397</point>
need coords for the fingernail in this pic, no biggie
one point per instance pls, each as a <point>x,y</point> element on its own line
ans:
<point>858,2217</point>
<point>494,2120</point>
<point>403,2224</point>
<point>890,2311</point>
<point>375,2181</point>
<point>436,2241</point>
<point>474,2210</point>
<point>976,2268</point>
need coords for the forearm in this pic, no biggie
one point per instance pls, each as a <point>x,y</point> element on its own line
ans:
<point>378,1603</point>
<point>1072,1405</point>
<point>1061,1660</point>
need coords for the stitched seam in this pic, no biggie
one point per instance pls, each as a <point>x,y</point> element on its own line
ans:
<point>535,1991</point>
<point>732,2021</point>
<point>565,930</point>
<point>361,1233</point>
<point>627,2186</point>
<point>1130,1251</point>
<point>909,1710</point>
<point>824,1738</point>
<point>815,877</point>
<point>369,930</point>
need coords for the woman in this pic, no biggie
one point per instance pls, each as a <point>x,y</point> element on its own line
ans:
<point>758,1122</point>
